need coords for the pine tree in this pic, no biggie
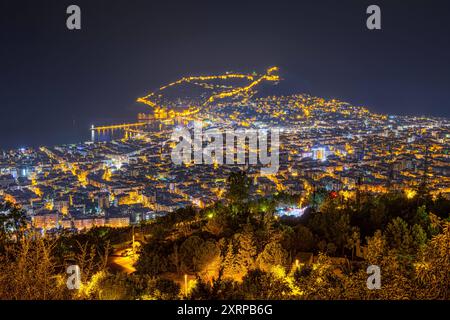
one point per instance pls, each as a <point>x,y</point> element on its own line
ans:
<point>231,267</point>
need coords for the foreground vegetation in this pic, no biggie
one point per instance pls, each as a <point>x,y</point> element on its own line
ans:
<point>242,250</point>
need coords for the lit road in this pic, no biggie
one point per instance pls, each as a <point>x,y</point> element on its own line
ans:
<point>119,263</point>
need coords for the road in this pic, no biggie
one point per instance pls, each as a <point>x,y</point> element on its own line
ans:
<point>119,263</point>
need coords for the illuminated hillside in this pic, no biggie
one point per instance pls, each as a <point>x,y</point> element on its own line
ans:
<point>209,89</point>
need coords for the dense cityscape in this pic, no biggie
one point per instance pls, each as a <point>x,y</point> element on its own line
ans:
<point>328,144</point>
<point>353,188</point>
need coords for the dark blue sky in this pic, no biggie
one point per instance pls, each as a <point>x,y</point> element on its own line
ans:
<point>54,82</point>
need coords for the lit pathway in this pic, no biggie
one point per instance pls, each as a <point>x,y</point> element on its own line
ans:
<point>123,264</point>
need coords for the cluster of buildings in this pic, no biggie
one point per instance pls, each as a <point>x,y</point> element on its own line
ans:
<point>323,144</point>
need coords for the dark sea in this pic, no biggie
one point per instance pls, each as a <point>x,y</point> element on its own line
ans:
<point>36,131</point>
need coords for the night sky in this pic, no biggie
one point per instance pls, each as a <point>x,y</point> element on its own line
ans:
<point>55,83</point>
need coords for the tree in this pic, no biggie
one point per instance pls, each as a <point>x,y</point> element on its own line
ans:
<point>320,280</point>
<point>422,217</point>
<point>28,271</point>
<point>216,225</point>
<point>12,222</point>
<point>122,286</point>
<point>261,285</point>
<point>238,187</point>
<point>432,270</point>
<point>332,225</point>
<point>376,247</point>
<point>441,206</point>
<point>113,287</point>
<point>353,241</point>
<point>246,248</point>
<point>219,289</point>
<point>189,251</point>
<point>303,239</point>
<point>153,259</point>
<point>398,236</point>
<point>395,280</point>
<point>89,259</point>
<point>419,237</point>
<point>273,255</point>
<point>207,260</point>
<point>231,267</point>
<point>164,289</point>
